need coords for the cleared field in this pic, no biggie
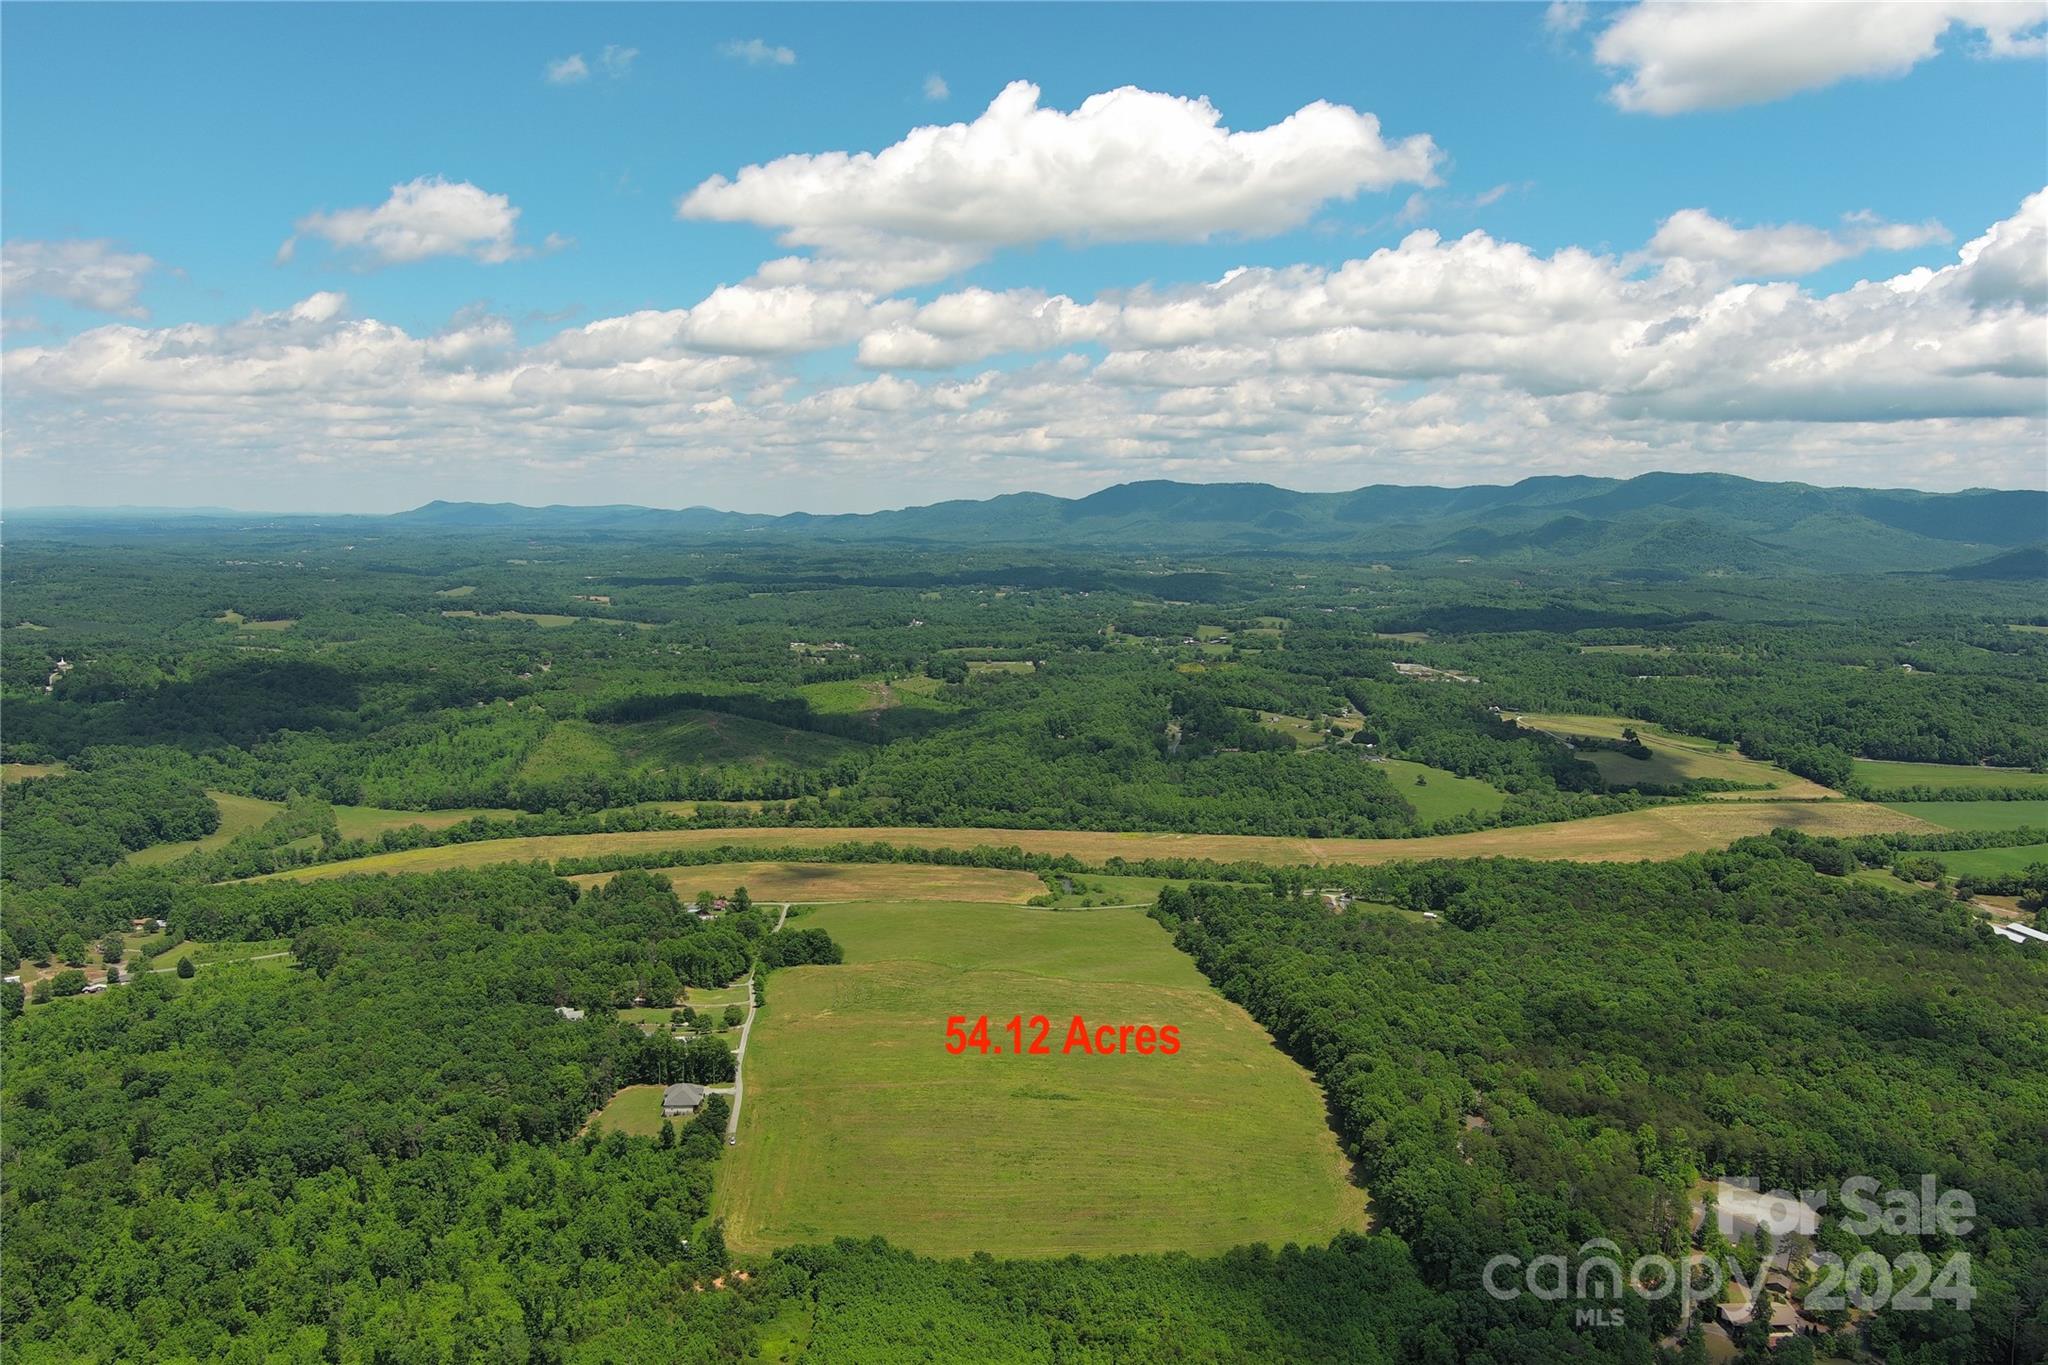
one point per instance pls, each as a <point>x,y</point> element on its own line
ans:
<point>274,952</point>
<point>854,697</point>
<point>21,772</point>
<point>1000,666</point>
<point>1443,794</point>
<point>546,620</point>
<point>1976,814</point>
<point>1992,861</point>
<point>1885,775</point>
<point>1659,832</point>
<point>238,815</point>
<point>848,882</point>
<point>367,822</point>
<point>717,997</point>
<point>858,1122</point>
<point>1675,759</point>
<point>634,1110</point>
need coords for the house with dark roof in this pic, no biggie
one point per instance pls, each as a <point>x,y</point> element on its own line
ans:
<point>681,1100</point>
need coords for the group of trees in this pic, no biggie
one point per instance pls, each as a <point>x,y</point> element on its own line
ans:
<point>1576,1044</point>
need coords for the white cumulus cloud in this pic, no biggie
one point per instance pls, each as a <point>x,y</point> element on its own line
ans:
<point>1128,165</point>
<point>935,87</point>
<point>1678,56</point>
<point>1788,249</point>
<point>92,273</point>
<point>422,218</point>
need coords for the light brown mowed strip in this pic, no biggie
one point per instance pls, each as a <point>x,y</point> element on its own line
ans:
<point>1658,832</point>
<point>848,882</point>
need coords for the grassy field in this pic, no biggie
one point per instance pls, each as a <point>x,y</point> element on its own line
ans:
<point>858,1122</point>
<point>1658,832</point>
<point>1976,814</point>
<point>635,1110</point>
<point>224,954</point>
<point>1444,794</point>
<point>1675,759</point>
<point>367,822</point>
<point>848,882</point>
<point>1884,775</point>
<point>238,815</point>
<point>21,772</point>
<point>1992,861</point>
<point>546,620</point>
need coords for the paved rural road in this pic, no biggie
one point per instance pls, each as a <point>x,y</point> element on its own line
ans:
<point>739,1054</point>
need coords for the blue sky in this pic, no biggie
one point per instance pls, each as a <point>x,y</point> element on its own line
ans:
<point>202,138</point>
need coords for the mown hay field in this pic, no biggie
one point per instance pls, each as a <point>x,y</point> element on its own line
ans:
<point>1658,832</point>
<point>858,1122</point>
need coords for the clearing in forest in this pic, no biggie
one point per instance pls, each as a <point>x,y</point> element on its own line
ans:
<point>1885,775</point>
<point>858,1122</point>
<point>1665,831</point>
<point>847,881</point>
<point>1676,759</point>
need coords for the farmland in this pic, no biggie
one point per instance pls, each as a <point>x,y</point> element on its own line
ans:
<point>1675,759</point>
<point>1880,775</point>
<point>847,881</point>
<point>858,1122</point>
<point>1657,832</point>
<point>1976,814</point>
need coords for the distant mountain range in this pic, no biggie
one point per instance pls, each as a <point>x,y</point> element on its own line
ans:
<point>1656,524</point>
<point>1675,523</point>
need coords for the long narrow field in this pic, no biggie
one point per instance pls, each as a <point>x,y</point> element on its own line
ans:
<point>1885,775</point>
<point>858,1122</point>
<point>1675,759</point>
<point>1659,832</point>
<point>848,881</point>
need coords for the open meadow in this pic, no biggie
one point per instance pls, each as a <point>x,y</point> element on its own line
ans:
<point>1675,759</point>
<point>858,1122</point>
<point>846,881</point>
<point>1668,831</point>
<point>1884,775</point>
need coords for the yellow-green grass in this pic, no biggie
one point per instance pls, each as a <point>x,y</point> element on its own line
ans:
<point>1103,889</point>
<point>1676,759</point>
<point>718,997</point>
<point>689,808</point>
<point>854,697</point>
<point>848,882</point>
<point>1976,814</point>
<point>1305,732</point>
<point>859,1123</point>
<point>1664,831</point>
<point>21,772</point>
<point>2031,630</point>
<point>464,590</point>
<point>546,620</point>
<point>30,625</point>
<point>634,1110</point>
<point>1408,637</point>
<point>1992,862</point>
<point>1886,775</point>
<point>238,815</point>
<point>367,822</point>
<point>1443,794</point>
<point>255,953</point>
<point>1000,666</point>
<point>1625,649</point>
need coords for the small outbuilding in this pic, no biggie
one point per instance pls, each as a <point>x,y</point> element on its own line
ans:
<point>681,1100</point>
<point>568,1012</point>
